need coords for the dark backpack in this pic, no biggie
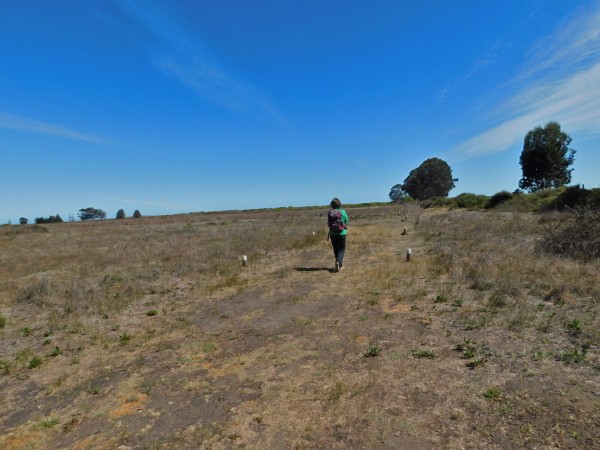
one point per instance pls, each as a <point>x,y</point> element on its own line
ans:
<point>334,220</point>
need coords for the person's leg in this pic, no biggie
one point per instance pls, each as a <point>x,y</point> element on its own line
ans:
<point>337,244</point>
<point>341,251</point>
<point>334,245</point>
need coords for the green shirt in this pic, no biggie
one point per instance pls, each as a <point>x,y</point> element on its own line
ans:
<point>344,221</point>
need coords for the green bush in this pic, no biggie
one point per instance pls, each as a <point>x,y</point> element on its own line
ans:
<point>49,219</point>
<point>533,202</point>
<point>470,201</point>
<point>593,199</point>
<point>569,198</point>
<point>498,198</point>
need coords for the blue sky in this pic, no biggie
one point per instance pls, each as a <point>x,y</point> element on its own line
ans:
<point>183,106</point>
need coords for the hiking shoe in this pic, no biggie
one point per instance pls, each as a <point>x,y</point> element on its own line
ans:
<point>337,267</point>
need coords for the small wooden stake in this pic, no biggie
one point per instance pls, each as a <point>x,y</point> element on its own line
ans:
<point>408,253</point>
<point>244,261</point>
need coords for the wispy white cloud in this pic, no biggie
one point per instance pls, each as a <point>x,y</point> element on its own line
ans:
<point>18,123</point>
<point>477,67</point>
<point>560,81</point>
<point>176,51</point>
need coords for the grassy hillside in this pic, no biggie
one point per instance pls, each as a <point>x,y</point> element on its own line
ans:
<point>151,334</point>
<point>557,199</point>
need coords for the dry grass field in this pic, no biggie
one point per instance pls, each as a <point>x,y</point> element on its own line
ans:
<point>150,334</point>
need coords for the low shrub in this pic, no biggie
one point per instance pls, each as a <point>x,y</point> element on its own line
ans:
<point>570,198</point>
<point>471,201</point>
<point>435,202</point>
<point>498,198</point>
<point>577,236</point>
<point>593,199</point>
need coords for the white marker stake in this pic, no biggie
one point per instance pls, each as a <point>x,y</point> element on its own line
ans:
<point>408,253</point>
<point>244,261</point>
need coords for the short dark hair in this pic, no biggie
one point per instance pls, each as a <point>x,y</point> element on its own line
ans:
<point>336,203</point>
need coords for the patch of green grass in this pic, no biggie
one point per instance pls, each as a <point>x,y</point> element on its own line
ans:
<point>302,321</point>
<point>337,392</point>
<point>362,318</point>
<point>373,351</point>
<point>208,346</point>
<point>574,356</point>
<point>151,312</point>
<point>475,363</point>
<point>440,298</point>
<point>574,327</point>
<point>2,321</point>
<point>492,393</point>
<point>421,353</point>
<point>457,302</point>
<point>146,387</point>
<point>467,348</point>
<point>35,362</point>
<point>54,352</point>
<point>93,390</point>
<point>26,331</point>
<point>476,324</point>
<point>5,367</point>
<point>125,338</point>
<point>469,352</point>
<point>49,423</point>
<point>541,355</point>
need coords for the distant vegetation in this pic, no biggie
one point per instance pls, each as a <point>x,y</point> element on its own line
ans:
<point>49,219</point>
<point>545,162</point>
<point>546,158</point>
<point>433,178</point>
<point>91,214</point>
<point>555,199</point>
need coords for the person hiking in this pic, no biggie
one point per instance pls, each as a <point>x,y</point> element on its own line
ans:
<point>337,220</point>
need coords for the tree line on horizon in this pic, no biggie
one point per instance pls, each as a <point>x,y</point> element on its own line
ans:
<point>545,161</point>
<point>84,214</point>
